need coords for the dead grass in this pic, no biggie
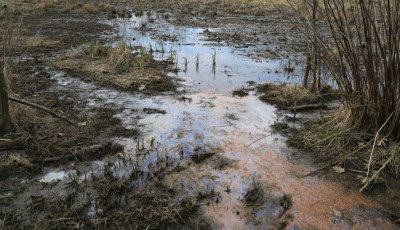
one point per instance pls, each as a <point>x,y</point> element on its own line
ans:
<point>108,8</point>
<point>15,163</point>
<point>333,141</point>
<point>71,6</point>
<point>241,92</point>
<point>249,7</point>
<point>285,96</point>
<point>116,204</point>
<point>255,193</point>
<point>43,136</point>
<point>104,200</point>
<point>122,59</point>
<point>117,68</point>
<point>48,4</point>
<point>90,9</point>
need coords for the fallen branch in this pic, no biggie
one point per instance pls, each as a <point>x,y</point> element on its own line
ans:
<point>307,107</point>
<point>18,143</point>
<point>376,174</point>
<point>41,108</point>
<point>76,153</point>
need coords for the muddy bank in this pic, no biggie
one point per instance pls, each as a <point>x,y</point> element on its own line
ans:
<point>44,33</point>
<point>44,137</point>
<point>296,97</point>
<point>40,31</point>
<point>118,68</point>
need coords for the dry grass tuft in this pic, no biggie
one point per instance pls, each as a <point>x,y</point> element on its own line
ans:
<point>100,50</point>
<point>48,4</point>
<point>285,96</point>
<point>90,9</point>
<point>107,8</point>
<point>13,162</point>
<point>121,58</point>
<point>72,5</point>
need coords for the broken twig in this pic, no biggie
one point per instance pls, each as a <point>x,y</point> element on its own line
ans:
<point>373,146</point>
<point>376,174</point>
<point>18,143</point>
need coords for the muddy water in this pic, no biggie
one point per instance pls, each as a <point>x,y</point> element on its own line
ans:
<point>208,117</point>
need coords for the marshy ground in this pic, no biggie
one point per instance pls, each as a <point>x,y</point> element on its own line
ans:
<point>176,109</point>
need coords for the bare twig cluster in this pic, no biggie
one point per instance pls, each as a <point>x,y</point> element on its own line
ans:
<point>359,43</point>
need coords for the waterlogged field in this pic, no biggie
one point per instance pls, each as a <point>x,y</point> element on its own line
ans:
<point>170,132</point>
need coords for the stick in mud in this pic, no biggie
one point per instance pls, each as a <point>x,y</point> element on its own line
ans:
<point>18,143</point>
<point>306,107</point>
<point>376,174</point>
<point>76,153</point>
<point>41,108</point>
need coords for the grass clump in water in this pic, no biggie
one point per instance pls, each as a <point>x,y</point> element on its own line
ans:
<point>97,49</point>
<point>255,193</point>
<point>285,96</point>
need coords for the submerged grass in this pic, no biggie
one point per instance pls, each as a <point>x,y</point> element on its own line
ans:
<point>107,201</point>
<point>255,193</point>
<point>197,62</point>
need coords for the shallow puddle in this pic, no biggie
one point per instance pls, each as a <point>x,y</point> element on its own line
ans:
<point>211,67</point>
<point>208,117</point>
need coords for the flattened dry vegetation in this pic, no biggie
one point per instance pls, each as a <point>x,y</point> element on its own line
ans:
<point>119,68</point>
<point>291,97</point>
<point>333,140</point>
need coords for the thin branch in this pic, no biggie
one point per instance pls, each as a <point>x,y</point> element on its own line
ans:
<point>373,146</point>
<point>376,174</point>
<point>41,108</point>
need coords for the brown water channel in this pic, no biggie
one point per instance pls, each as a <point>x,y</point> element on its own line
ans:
<point>206,117</point>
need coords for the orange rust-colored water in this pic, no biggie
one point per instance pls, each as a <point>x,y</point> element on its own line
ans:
<point>242,128</point>
<point>315,200</point>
